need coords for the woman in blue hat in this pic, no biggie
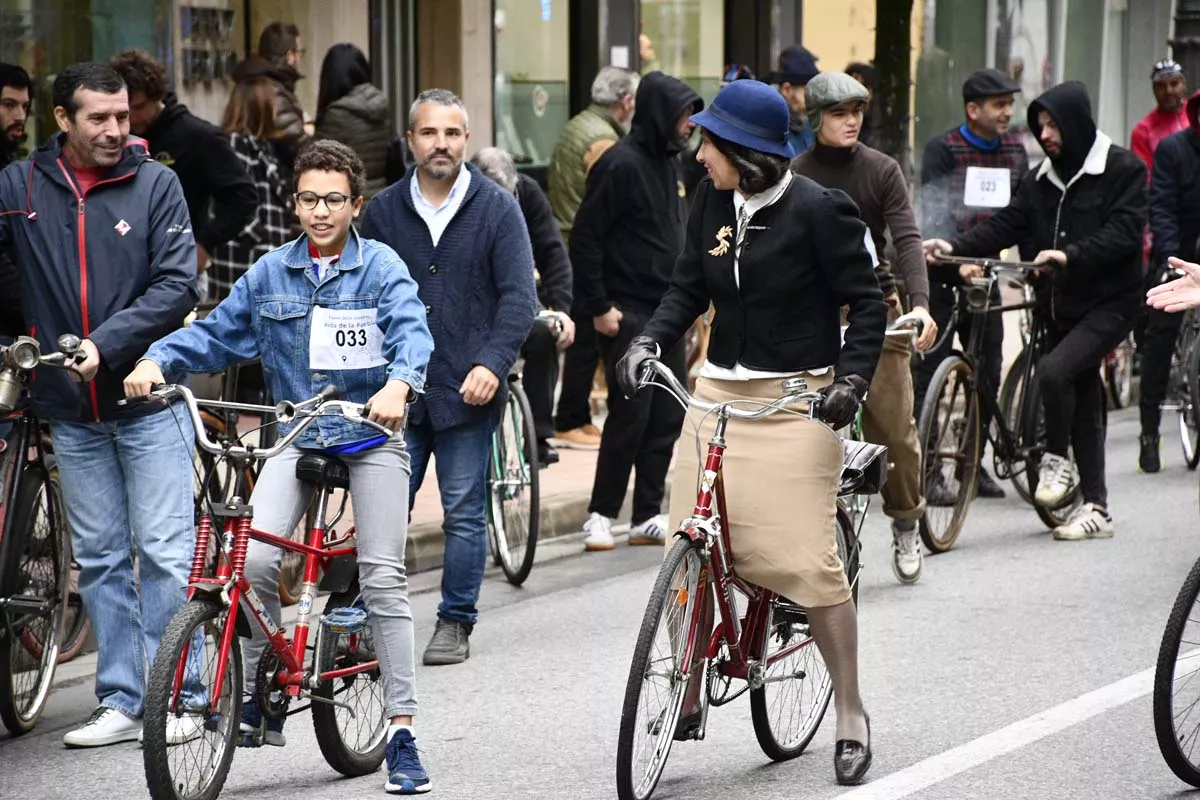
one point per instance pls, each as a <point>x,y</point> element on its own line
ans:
<point>777,256</point>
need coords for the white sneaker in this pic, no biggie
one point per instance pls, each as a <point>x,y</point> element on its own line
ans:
<point>180,729</point>
<point>652,531</point>
<point>105,726</point>
<point>1089,521</point>
<point>599,533</point>
<point>907,557</point>
<point>1057,476</point>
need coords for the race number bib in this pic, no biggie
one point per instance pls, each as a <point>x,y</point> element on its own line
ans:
<point>345,339</point>
<point>987,187</point>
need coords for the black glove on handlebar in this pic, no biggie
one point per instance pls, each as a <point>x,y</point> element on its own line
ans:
<point>629,368</point>
<point>842,398</point>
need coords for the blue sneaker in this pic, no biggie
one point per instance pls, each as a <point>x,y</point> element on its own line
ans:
<point>253,733</point>
<point>405,773</point>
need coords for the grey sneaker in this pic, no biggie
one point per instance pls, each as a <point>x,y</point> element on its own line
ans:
<point>450,643</point>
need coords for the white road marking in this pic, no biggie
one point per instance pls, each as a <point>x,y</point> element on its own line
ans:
<point>936,769</point>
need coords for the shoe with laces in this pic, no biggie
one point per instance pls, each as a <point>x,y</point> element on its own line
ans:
<point>1056,478</point>
<point>405,773</point>
<point>1089,521</point>
<point>451,643</point>
<point>104,727</point>
<point>256,730</point>
<point>180,729</point>
<point>652,531</point>
<point>1148,458</point>
<point>907,558</point>
<point>599,533</point>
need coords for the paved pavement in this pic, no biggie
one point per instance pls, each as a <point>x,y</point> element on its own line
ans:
<point>1015,669</point>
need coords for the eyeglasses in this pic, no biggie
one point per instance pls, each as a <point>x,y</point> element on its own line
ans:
<point>334,201</point>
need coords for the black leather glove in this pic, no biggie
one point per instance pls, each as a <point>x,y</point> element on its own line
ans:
<point>629,368</point>
<point>842,399</point>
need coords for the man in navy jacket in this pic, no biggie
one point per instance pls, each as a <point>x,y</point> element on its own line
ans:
<point>101,237</point>
<point>465,242</point>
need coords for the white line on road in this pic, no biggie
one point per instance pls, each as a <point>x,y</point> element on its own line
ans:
<point>936,769</point>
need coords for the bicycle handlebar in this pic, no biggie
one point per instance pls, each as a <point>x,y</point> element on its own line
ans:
<point>990,264</point>
<point>305,412</point>
<point>655,367</point>
<point>908,325</point>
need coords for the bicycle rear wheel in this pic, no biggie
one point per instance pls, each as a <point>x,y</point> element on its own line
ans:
<point>35,567</point>
<point>1177,719</point>
<point>657,674</point>
<point>949,431</point>
<point>1033,439</point>
<point>1118,374</point>
<point>188,736</point>
<point>1011,397</point>
<point>789,705</point>
<point>352,740</point>
<point>1189,413</point>
<point>513,490</point>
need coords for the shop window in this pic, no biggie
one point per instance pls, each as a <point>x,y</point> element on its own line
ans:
<point>687,38</point>
<point>531,77</point>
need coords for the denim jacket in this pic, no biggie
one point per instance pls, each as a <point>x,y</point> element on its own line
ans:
<point>269,313</point>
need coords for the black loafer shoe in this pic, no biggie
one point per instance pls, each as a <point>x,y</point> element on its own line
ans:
<point>987,486</point>
<point>852,759</point>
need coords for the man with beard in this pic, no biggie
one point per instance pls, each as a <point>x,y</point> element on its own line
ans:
<point>1083,210</point>
<point>627,235</point>
<point>1169,220</point>
<point>465,242</point>
<point>104,245</point>
<point>278,56</point>
<point>14,110</point>
<point>221,197</point>
<point>967,175</point>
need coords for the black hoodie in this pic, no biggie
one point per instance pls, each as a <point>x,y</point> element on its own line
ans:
<point>630,226</point>
<point>213,178</point>
<point>1089,202</point>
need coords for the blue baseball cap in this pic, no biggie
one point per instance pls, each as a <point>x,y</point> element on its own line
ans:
<point>752,114</point>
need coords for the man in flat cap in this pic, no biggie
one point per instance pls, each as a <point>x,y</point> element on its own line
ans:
<point>797,66</point>
<point>967,175</point>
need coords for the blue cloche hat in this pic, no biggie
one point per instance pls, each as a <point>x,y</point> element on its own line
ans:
<point>752,114</point>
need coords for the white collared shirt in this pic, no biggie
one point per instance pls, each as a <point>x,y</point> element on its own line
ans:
<point>438,217</point>
<point>745,208</point>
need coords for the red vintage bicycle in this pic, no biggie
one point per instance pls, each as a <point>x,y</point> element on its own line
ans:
<point>761,642</point>
<point>194,697</point>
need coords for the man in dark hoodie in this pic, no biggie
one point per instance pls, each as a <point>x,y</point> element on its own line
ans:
<point>14,111</point>
<point>277,58</point>
<point>1084,209</point>
<point>1175,225</point>
<point>627,234</point>
<point>220,195</point>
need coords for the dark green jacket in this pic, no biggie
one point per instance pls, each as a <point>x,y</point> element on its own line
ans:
<point>567,175</point>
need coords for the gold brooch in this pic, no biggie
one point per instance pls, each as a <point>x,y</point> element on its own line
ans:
<point>722,241</point>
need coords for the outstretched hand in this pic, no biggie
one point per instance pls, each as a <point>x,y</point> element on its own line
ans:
<point>1179,294</point>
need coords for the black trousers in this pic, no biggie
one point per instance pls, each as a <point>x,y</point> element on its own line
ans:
<point>941,308</point>
<point>639,433</point>
<point>539,375</point>
<point>1073,394</point>
<point>579,367</point>
<point>1157,345</point>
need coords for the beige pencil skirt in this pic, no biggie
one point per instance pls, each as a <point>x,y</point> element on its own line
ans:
<point>781,478</point>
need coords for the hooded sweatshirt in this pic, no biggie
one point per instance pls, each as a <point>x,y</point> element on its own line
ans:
<point>1088,201</point>
<point>630,226</point>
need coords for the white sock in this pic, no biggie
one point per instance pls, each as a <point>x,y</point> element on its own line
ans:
<point>393,728</point>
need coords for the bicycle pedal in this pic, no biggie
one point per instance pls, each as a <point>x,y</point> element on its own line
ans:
<point>346,620</point>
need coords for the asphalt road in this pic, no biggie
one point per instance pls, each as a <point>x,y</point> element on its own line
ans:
<point>1016,668</point>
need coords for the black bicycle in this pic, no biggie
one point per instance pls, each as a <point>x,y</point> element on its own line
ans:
<point>35,545</point>
<point>950,427</point>
<point>1176,692</point>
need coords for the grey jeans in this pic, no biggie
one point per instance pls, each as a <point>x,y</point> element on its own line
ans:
<point>381,527</point>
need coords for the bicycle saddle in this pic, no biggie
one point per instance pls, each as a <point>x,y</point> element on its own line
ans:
<point>323,470</point>
<point>864,467</point>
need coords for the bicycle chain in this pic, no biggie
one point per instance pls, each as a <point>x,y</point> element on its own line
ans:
<point>272,702</point>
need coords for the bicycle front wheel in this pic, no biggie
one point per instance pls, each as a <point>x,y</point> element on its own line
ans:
<point>1176,694</point>
<point>514,511</point>
<point>1189,407</point>
<point>190,726</point>
<point>787,709</point>
<point>35,568</point>
<point>658,681</point>
<point>949,431</point>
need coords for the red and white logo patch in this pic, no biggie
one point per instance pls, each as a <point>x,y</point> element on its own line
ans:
<point>122,227</point>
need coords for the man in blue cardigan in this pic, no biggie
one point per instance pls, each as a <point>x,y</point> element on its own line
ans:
<point>465,242</point>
